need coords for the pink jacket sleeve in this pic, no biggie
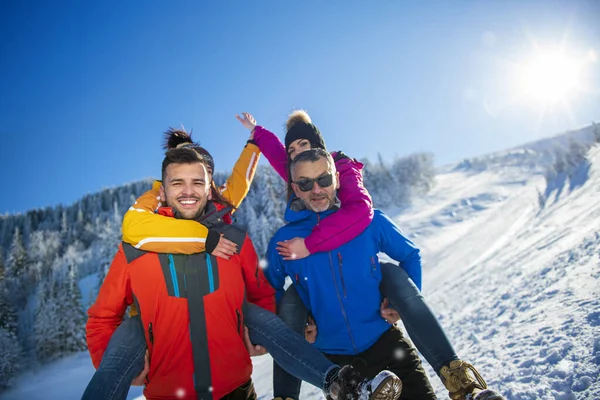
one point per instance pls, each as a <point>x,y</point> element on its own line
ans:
<point>355,214</point>
<point>273,150</point>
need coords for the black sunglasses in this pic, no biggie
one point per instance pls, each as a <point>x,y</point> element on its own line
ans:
<point>307,184</point>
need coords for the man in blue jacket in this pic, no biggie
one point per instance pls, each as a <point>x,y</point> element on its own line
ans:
<point>341,293</point>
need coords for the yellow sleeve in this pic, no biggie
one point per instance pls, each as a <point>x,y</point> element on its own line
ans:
<point>146,230</point>
<point>238,183</point>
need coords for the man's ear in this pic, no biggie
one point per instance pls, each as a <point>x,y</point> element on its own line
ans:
<point>337,180</point>
<point>163,198</point>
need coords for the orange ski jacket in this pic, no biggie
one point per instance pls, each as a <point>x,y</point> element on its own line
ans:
<point>192,310</point>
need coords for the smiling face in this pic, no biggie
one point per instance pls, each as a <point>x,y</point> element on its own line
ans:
<point>297,147</point>
<point>305,173</point>
<point>186,189</point>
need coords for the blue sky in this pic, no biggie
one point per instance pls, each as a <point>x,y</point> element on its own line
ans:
<point>88,87</point>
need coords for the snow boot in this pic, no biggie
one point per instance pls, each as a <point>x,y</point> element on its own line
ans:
<point>350,385</point>
<point>463,385</point>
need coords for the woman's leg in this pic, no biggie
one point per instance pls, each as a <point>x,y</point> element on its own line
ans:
<point>293,312</point>
<point>290,351</point>
<point>420,322</point>
<point>122,361</point>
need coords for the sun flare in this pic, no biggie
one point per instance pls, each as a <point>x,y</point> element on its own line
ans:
<point>550,78</point>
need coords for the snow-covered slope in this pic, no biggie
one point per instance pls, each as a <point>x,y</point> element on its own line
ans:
<point>514,274</point>
<point>511,268</point>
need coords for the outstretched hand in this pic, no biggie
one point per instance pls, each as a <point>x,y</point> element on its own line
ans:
<point>389,314</point>
<point>253,349</point>
<point>248,121</point>
<point>139,380</point>
<point>293,249</point>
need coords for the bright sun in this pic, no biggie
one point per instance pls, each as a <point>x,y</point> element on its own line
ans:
<point>550,78</point>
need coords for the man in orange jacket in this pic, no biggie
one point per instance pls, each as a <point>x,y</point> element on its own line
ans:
<point>190,305</point>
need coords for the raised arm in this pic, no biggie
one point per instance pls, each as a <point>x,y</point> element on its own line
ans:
<point>106,314</point>
<point>392,242</point>
<point>268,143</point>
<point>238,183</point>
<point>273,149</point>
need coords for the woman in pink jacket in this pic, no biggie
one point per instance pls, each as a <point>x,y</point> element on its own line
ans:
<point>354,215</point>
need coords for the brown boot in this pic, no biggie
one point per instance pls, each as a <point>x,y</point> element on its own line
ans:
<point>462,380</point>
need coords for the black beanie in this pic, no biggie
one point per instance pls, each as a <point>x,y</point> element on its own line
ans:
<point>305,130</point>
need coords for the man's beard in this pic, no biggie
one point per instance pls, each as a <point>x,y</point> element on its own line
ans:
<point>319,208</point>
<point>179,214</point>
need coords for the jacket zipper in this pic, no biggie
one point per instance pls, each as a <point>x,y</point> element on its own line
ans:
<point>340,266</point>
<point>318,219</point>
<point>151,338</point>
<point>337,292</point>
<point>150,333</point>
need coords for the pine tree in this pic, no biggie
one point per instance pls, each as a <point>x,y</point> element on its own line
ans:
<point>46,326</point>
<point>18,274</point>
<point>2,267</point>
<point>10,361</point>
<point>8,316</point>
<point>73,317</point>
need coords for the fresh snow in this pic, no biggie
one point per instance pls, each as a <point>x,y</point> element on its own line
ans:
<point>513,279</point>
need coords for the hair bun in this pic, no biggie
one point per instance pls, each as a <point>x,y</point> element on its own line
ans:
<point>176,137</point>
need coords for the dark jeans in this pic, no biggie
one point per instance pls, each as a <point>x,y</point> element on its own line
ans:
<point>420,322</point>
<point>123,359</point>
<point>392,351</point>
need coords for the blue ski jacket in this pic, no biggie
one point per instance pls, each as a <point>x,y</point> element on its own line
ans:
<point>341,287</point>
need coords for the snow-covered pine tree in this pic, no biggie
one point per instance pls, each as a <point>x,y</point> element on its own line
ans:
<point>72,317</point>
<point>8,316</point>
<point>2,266</point>
<point>10,357</point>
<point>18,274</point>
<point>46,329</point>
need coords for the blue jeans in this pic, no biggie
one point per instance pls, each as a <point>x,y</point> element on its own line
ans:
<point>123,359</point>
<point>420,322</point>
